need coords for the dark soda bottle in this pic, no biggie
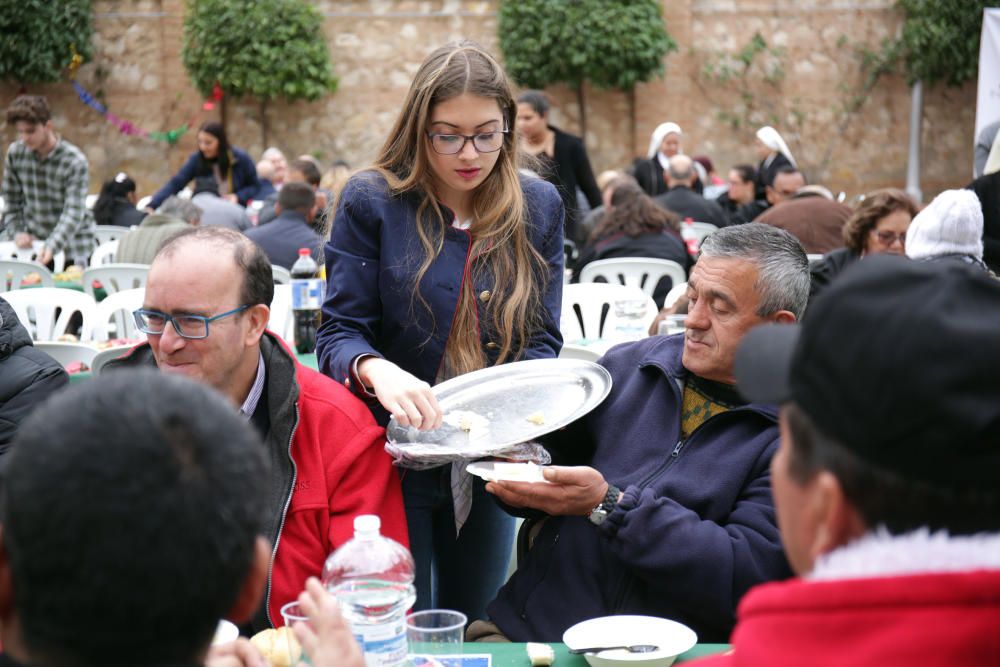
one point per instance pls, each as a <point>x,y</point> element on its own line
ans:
<point>308,291</point>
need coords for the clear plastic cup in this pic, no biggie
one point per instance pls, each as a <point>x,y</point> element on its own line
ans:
<point>436,632</point>
<point>293,613</point>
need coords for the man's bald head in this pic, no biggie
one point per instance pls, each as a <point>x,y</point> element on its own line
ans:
<point>680,171</point>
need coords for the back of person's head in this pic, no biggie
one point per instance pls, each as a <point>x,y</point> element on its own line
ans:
<point>681,169</point>
<point>336,177</point>
<point>537,100</point>
<point>113,189</point>
<point>889,385</point>
<point>951,225</point>
<point>705,162</point>
<point>131,512</point>
<point>299,197</point>
<point>258,280</point>
<point>308,170</point>
<point>272,153</point>
<point>206,184</point>
<point>31,109</point>
<point>782,265</point>
<point>182,209</point>
<point>875,206</point>
<point>633,212</point>
<point>265,169</point>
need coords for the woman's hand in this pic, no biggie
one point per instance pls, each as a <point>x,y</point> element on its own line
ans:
<point>406,397</point>
<point>327,638</point>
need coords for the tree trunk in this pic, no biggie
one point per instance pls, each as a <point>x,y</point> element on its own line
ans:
<point>581,103</point>
<point>264,127</point>
<point>633,122</point>
<point>222,110</point>
<point>913,161</point>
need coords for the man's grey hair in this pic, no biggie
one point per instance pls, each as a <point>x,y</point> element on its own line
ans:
<point>680,167</point>
<point>782,265</point>
<point>183,209</point>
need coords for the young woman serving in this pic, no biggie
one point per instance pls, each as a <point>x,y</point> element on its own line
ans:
<point>443,259</point>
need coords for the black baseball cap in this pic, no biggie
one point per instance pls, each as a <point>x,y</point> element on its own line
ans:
<point>900,362</point>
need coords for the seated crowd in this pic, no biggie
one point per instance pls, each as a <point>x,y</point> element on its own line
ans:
<point>811,471</point>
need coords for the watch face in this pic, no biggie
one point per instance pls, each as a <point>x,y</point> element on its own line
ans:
<point>598,516</point>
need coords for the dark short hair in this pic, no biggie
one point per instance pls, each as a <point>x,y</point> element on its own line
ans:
<point>875,206</point>
<point>308,169</point>
<point>883,497</point>
<point>297,197</point>
<point>788,170</point>
<point>32,109</point>
<point>747,173</point>
<point>206,184</point>
<point>536,99</point>
<point>258,280</point>
<point>131,505</point>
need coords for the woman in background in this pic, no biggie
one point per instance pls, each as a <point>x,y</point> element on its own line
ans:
<point>116,203</point>
<point>664,143</point>
<point>773,153</point>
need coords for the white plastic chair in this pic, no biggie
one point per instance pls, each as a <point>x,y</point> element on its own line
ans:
<point>588,311</point>
<point>68,353</point>
<point>13,271</point>
<point>703,229</point>
<point>115,277</point>
<point>117,308</point>
<point>91,200</point>
<point>281,275</point>
<point>144,202</point>
<point>576,351</point>
<point>9,250</point>
<point>105,233</point>
<point>104,356</point>
<point>675,293</point>
<point>104,254</point>
<point>282,321</point>
<point>642,272</point>
<point>46,312</point>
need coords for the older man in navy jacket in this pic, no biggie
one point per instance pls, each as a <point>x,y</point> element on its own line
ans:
<point>672,514</point>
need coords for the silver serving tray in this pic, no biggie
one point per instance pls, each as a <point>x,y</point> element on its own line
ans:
<point>559,390</point>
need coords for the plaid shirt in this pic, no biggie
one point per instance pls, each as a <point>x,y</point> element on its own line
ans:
<point>47,198</point>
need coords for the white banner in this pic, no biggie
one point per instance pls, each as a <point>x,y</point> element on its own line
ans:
<point>988,98</point>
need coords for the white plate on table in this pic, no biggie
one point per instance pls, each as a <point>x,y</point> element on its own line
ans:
<point>671,638</point>
<point>502,471</point>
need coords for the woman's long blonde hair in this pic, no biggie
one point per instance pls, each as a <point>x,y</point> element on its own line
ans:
<point>499,220</point>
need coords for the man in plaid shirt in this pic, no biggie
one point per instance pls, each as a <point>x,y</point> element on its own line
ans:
<point>45,184</point>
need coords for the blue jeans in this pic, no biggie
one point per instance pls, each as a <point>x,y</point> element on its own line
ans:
<point>462,573</point>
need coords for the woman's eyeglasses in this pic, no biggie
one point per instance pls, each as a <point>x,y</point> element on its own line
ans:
<point>451,144</point>
<point>887,238</point>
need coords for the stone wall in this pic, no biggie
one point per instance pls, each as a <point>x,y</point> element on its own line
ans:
<point>376,46</point>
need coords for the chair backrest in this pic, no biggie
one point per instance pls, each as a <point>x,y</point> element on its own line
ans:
<point>675,293</point>
<point>576,351</point>
<point>104,254</point>
<point>104,356</point>
<point>117,309</point>
<point>642,272</point>
<point>281,275</point>
<point>105,233</point>
<point>589,311</point>
<point>13,271</point>
<point>91,200</point>
<point>703,229</point>
<point>46,312</point>
<point>115,277</point>
<point>68,353</point>
<point>9,250</point>
<point>282,321</point>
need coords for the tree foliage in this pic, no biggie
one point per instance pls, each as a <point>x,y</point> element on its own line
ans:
<point>37,38</point>
<point>608,43</point>
<point>940,40</point>
<point>263,49</point>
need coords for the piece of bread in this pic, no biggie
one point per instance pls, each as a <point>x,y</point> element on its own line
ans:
<point>278,646</point>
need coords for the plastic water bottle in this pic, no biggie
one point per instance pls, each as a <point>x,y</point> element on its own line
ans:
<point>308,291</point>
<point>372,578</point>
<point>690,237</point>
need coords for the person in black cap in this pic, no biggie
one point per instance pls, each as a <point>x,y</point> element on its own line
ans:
<point>887,481</point>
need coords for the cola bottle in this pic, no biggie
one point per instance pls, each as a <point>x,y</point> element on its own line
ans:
<point>308,290</point>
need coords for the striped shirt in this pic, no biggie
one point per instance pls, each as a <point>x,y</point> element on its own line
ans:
<point>253,398</point>
<point>47,198</point>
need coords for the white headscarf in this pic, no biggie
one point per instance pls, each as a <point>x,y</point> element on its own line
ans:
<point>770,138</point>
<point>662,130</point>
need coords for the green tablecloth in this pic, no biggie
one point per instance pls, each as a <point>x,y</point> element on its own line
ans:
<point>514,655</point>
<point>308,360</point>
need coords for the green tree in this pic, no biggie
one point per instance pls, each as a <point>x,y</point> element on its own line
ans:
<point>607,43</point>
<point>940,40</point>
<point>263,49</point>
<point>37,38</point>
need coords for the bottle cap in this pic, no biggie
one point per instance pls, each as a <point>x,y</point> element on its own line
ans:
<point>367,523</point>
<point>303,251</point>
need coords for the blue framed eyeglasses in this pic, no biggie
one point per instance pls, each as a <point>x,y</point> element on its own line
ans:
<point>153,322</point>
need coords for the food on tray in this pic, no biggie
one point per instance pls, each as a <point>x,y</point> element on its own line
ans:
<point>536,418</point>
<point>32,278</point>
<point>540,654</point>
<point>476,425</point>
<point>278,646</point>
<point>72,274</point>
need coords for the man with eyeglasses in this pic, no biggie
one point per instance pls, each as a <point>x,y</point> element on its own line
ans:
<point>205,314</point>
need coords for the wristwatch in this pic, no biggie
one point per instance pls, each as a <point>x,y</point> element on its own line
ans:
<point>606,506</point>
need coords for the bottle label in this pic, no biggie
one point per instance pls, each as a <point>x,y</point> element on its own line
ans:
<point>308,293</point>
<point>384,644</point>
